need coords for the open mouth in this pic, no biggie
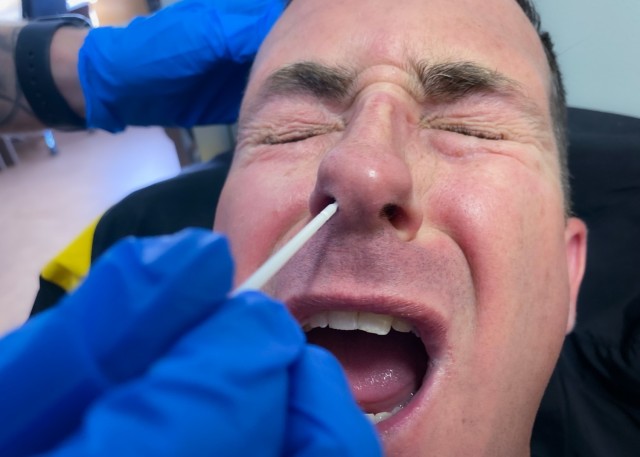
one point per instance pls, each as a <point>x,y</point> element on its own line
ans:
<point>383,357</point>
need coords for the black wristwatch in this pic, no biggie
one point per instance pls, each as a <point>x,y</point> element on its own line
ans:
<point>33,66</point>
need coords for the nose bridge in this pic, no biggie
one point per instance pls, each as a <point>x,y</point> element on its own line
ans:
<point>382,119</point>
<point>367,170</point>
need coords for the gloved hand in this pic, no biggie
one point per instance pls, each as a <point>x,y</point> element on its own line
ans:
<point>150,357</point>
<point>186,65</point>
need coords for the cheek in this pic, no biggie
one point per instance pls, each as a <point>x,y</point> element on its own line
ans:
<point>499,204</point>
<point>259,205</point>
<point>508,220</point>
<point>509,224</point>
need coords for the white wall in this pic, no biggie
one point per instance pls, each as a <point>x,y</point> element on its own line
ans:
<point>598,44</point>
<point>10,10</point>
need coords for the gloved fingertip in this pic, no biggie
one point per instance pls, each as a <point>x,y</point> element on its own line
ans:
<point>192,262</point>
<point>269,314</point>
<point>143,294</point>
<point>324,417</point>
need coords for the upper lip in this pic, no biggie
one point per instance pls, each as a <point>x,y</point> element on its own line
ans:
<point>430,322</point>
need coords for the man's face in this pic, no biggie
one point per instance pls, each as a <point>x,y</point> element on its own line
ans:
<point>428,122</point>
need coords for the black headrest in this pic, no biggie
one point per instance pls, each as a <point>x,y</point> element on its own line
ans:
<point>604,162</point>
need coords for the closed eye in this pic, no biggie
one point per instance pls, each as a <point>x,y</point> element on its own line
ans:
<point>289,137</point>
<point>464,130</point>
<point>295,134</point>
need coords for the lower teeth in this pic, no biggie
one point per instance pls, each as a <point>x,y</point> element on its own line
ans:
<point>379,417</point>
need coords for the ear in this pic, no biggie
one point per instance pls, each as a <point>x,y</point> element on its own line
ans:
<point>575,238</point>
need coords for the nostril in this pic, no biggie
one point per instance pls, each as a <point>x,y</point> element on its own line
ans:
<point>320,202</point>
<point>391,212</point>
<point>398,217</point>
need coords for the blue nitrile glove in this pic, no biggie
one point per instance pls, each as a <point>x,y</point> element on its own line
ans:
<point>185,65</point>
<point>149,357</point>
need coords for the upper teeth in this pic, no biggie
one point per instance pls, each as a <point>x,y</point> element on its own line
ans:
<point>378,324</point>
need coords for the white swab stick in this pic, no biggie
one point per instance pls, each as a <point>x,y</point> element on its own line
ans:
<point>277,260</point>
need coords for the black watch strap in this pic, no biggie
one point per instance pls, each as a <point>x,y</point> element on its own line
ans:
<point>33,67</point>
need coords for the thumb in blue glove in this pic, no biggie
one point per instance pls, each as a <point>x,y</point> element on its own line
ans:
<point>324,419</point>
<point>186,65</point>
<point>241,383</point>
<point>140,297</point>
<point>148,357</point>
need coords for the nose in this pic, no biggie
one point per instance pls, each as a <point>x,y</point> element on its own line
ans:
<point>367,173</point>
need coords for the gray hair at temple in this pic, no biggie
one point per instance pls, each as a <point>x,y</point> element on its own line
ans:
<point>557,102</point>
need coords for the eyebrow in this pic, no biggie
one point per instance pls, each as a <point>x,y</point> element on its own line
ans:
<point>440,82</point>
<point>313,78</point>
<point>451,81</point>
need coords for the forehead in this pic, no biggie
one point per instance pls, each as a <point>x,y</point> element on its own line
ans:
<point>363,33</point>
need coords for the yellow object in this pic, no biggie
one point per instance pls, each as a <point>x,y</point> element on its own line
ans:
<point>69,268</point>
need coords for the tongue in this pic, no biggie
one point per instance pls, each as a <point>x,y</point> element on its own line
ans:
<point>383,371</point>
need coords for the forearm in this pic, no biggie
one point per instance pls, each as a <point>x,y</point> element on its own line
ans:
<point>64,66</point>
<point>15,112</point>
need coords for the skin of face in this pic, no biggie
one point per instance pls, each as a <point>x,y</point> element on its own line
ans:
<point>450,211</point>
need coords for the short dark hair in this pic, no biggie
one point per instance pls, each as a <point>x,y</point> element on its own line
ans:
<point>557,101</point>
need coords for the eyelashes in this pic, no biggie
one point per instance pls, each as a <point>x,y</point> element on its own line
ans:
<point>296,137</point>
<point>273,139</point>
<point>299,135</point>
<point>466,131</point>
<point>290,137</point>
